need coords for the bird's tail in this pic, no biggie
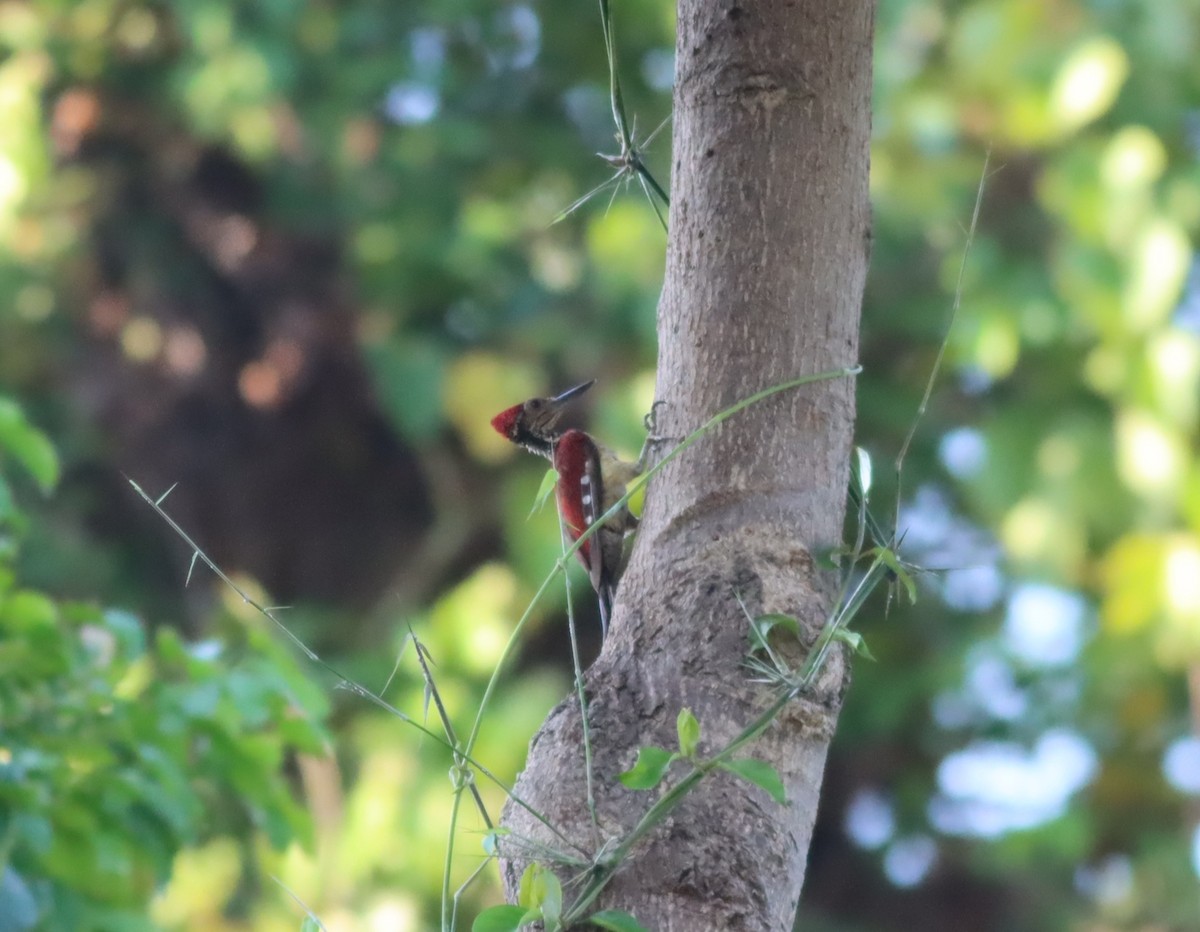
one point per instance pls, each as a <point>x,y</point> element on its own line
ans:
<point>605,595</point>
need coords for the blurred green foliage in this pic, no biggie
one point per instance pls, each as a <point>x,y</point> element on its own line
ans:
<point>1019,755</point>
<point>118,749</point>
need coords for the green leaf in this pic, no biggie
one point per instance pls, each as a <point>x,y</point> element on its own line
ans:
<point>688,728</point>
<point>549,481</point>
<point>502,918</point>
<point>7,507</point>
<point>525,892</point>
<point>28,611</point>
<point>649,770</point>
<point>18,909</point>
<point>761,774</point>
<point>862,472</point>
<point>616,920</point>
<point>541,891</point>
<point>830,558</point>
<point>491,841</point>
<point>547,892</point>
<point>311,924</point>
<point>539,896</point>
<point>763,625</point>
<point>28,445</point>
<point>637,501</point>
<point>856,641</point>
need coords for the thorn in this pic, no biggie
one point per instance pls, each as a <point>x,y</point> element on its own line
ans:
<point>191,566</point>
<point>162,498</point>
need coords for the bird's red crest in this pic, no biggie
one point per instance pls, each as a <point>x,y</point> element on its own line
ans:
<point>506,421</point>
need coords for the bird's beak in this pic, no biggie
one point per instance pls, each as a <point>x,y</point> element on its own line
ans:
<point>572,393</point>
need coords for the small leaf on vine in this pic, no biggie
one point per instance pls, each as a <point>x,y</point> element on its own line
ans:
<point>762,626</point>
<point>862,471</point>
<point>503,919</point>
<point>525,890</point>
<point>761,774</point>
<point>547,895</point>
<point>614,920</point>
<point>491,841</point>
<point>830,558</point>
<point>855,641</point>
<point>548,482</point>
<point>688,728</point>
<point>649,770</point>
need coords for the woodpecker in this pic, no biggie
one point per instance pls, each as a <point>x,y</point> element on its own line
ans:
<point>591,479</point>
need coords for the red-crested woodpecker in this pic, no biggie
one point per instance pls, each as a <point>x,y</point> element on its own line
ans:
<point>591,479</point>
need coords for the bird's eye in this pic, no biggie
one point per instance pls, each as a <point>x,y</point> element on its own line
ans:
<point>535,403</point>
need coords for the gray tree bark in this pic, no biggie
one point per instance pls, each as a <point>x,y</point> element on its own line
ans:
<point>768,248</point>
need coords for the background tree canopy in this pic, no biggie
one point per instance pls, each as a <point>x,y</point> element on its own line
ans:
<point>293,257</point>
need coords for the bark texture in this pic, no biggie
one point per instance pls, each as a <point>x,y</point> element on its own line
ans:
<point>770,231</point>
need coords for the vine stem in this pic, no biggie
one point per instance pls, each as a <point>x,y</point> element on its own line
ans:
<point>941,353</point>
<point>674,796</point>
<point>577,668</point>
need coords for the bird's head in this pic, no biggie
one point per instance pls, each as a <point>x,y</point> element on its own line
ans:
<point>532,424</point>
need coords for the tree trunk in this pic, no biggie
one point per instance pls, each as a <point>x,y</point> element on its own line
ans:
<point>766,262</point>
